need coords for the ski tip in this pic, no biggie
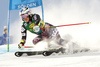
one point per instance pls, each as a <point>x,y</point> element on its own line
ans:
<point>89,22</point>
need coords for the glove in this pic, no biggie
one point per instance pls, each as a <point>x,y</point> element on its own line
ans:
<point>21,46</point>
<point>36,28</point>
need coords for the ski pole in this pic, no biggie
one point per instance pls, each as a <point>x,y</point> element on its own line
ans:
<point>28,47</point>
<point>66,25</point>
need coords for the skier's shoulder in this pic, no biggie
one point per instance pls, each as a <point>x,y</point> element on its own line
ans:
<point>23,25</point>
<point>35,16</point>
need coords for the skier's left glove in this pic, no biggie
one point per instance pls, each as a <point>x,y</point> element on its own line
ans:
<point>21,46</point>
<point>36,28</point>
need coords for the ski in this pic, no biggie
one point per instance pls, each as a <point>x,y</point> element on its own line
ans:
<point>49,52</point>
<point>19,54</point>
<point>44,53</point>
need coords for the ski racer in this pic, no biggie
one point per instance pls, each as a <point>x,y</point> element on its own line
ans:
<point>33,23</point>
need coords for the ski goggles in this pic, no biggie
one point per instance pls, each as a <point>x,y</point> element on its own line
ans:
<point>24,16</point>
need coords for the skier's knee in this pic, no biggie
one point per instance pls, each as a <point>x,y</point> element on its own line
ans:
<point>34,42</point>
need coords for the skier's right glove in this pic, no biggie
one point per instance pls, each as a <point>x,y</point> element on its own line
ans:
<point>21,46</point>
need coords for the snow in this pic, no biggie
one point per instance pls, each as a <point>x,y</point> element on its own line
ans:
<point>86,59</point>
<point>73,60</point>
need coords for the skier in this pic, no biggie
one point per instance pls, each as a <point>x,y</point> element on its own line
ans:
<point>33,23</point>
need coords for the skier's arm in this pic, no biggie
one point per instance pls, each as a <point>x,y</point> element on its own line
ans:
<point>37,18</point>
<point>24,34</point>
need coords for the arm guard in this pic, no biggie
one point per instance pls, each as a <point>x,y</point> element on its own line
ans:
<point>24,34</point>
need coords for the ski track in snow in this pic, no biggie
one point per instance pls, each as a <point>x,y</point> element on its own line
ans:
<point>75,60</point>
<point>88,59</point>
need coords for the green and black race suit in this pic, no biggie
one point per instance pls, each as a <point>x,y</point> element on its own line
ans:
<point>43,33</point>
<point>34,20</point>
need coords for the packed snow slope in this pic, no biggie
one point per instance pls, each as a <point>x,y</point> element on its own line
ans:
<point>75,60</point>
<point>85,59</point>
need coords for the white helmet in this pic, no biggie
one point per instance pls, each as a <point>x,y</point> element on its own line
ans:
<point>25,10</point>
<point>5,28</point>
